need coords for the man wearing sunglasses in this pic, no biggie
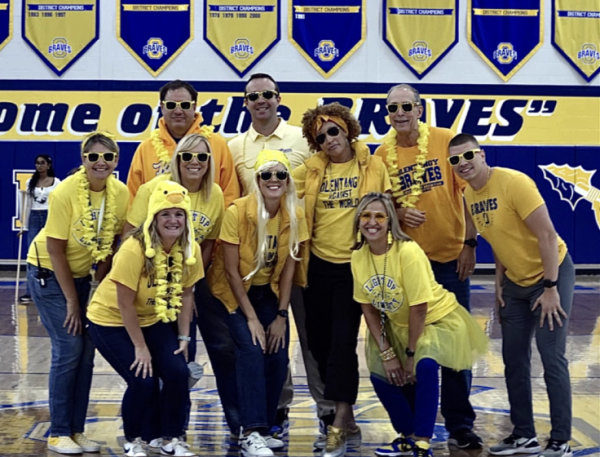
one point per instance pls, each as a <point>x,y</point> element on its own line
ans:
<point>535,279</point>
<point>437,224</point>
<point>179,118</point>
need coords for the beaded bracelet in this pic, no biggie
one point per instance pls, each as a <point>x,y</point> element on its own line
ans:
<point>388,354</point>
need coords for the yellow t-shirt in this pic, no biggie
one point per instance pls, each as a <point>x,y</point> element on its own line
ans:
<point>334,212</point>
<point>499,210</point>
<point>127,269</point>
<point>443,235</point>
<point>409,281</point>
<point>207,216</point>
<point>64,223</point>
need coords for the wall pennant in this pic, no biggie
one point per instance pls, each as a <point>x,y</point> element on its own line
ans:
<point>505,33</point>
<point>327,32</point>
<point>576,34</point>
<point>60,31</point>
<point>155,31</point>
<point>6,25</point>
<point>242,32</point>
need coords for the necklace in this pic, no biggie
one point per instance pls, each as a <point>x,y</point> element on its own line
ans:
<point>169,273</point>
<point>380,305</point>
<point>481,218</point>
<point>273,261</point>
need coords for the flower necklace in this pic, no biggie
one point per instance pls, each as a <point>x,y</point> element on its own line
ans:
<point>410,199</point>
<point>161,151</point>
<point>99,246</point>
<point>168,277</point>
<point>482,219</point>
<point>380,305</point>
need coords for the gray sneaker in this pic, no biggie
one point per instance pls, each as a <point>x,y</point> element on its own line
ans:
<point>557,448</point>
<point>516,445</point>
<point>354,437</point>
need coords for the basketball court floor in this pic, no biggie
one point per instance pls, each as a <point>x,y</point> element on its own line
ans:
<point>25,361</point>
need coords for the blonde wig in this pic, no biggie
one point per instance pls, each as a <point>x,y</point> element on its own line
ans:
<point>187,144</point>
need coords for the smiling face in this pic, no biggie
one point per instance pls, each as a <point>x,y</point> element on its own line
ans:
<point>262,109</point>
<point>101,169</point>
<point>336,147</point>
<point>170,223</point>
<point>371,229</point>
<point>404,123</point>
<point>178,120</point>
<point>193,172</point>
<point>273,189</point>
<point>471,169</point>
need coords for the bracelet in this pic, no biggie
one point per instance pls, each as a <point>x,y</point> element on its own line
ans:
<point>388,354</point>
<point>184,338</point>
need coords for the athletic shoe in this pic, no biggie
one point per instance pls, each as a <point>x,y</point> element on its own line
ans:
<point>422,449</point>
<point>85,444</point>
<point>254,445</point>
<point>557,448</point>
<point>195,371</point>
<point>336,442</point>
<point>155,445</point>
<point>516,445</point>
<point>465,439</point>
<point>135,448</point>
<point>64,445</point>
<point>354,437</point>
<point>274,443</point>
<point>177,448</point>
<point>400,446</point>
<point>24,299</point>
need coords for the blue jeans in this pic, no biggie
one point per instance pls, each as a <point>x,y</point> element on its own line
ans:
<point>456,385</point>
<point>407,419</point>
<point>143,400</point>
<point>260,375</point>
<point>72,356</point>
<point>37,220</point>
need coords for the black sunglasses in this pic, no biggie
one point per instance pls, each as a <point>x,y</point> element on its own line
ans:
<point>266,94</point>
<point>280,175</point>
<point>467,155</point>
<point>331,131</point>
<point>171,105</point>
<point>189,156</point>
<point>407,107</point>
<point>93,157</point>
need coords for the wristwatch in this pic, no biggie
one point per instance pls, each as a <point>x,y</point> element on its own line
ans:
<point>409,353</point>
<point>549,284</point>
<point>472,243</point>
<point>283,313</point>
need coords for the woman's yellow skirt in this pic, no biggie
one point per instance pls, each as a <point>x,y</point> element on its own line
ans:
<point>455,341</point>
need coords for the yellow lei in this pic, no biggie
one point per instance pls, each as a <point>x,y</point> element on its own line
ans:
<point>168,287</point>
<point>99,246</point>
<point>407,200</point>
<point>161,151</point>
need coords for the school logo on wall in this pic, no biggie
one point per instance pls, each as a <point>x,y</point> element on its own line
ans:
<point>6,26</point>
<point>573,184</point>
<point>155,31</point>
<point>576,34</point>
<point>420,33</point>
<point>240,33</point>
<point>505,33</point>
<point>327,32</point>
<point>60,32</point>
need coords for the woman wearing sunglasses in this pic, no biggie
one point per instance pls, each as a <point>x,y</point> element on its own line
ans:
<point>332,182</point>
<point>252,277</point>
<point>85,215</point>
<point>415,325</point>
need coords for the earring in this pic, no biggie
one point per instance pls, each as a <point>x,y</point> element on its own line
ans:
<point>390,238</point>
<point>358,236</point>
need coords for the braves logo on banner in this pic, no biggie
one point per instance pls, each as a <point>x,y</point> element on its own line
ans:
<point>155,31</point>
<point>327,32</point>
<point>60,32</point>
<point>6,27</point>
<point>505,33</point>
<point>243,33</point>
<point>576,34</point>
<point>420,34</point>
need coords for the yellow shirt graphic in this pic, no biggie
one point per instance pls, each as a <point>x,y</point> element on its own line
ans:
<point>334,212</point>
<point>408,281</point>
<point>207,216</point>
<point>64,223</point>
<point>127,269</point>
<point>499,210</point>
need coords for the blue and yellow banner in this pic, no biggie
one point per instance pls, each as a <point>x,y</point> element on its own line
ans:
<point>576,34</point>
<point>327,32</point>
<point>241,32</point>
<point>505,33</point>
<point>60,32</point>
<point>420,33</point>
<point>6,24</point>
<point>155,31</point>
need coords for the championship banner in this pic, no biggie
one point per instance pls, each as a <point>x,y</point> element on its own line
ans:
<point>576,34</point>
<point>6,26</point>
<point>241,32</point>
<point>155,31</point>
<point>60,32</point>
<point>327,32</point>
<point>505,33</point>
<point>420,33</point>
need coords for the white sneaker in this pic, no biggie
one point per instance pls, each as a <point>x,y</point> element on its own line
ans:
<point>516,445</point>
<point>135,448</point>
<point>155,445</point>
<point>177,448</point>
<point>254,445</point>
<point>273,443</point>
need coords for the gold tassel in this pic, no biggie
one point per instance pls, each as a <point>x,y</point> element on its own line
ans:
<point>390,238</point>
<point>358,236</point>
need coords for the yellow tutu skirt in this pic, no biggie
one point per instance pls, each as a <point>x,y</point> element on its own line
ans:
<point>455,342</point>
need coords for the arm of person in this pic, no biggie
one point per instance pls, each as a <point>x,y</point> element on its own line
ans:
<point>207,247</point>
<point>276,331</point>
<point>466,259</point>
<point>412,217</point>
<point>143,359</point>
<point>57,251</point>
<point>540,224</point>
<point>231,256</point>
<point>105,266</point>
<point>416,326</point>
<point>184,319</point>
<point>500,271</point>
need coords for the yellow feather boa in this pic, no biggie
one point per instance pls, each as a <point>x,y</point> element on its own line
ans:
<point>169,290</point>
<point>161,151</point>
<point>407,200</point>
<point>99,246</point>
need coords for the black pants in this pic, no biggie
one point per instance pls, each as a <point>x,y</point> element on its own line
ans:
<point>332,324</point>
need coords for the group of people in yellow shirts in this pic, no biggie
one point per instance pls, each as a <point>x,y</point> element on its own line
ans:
<point>225,237</point>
